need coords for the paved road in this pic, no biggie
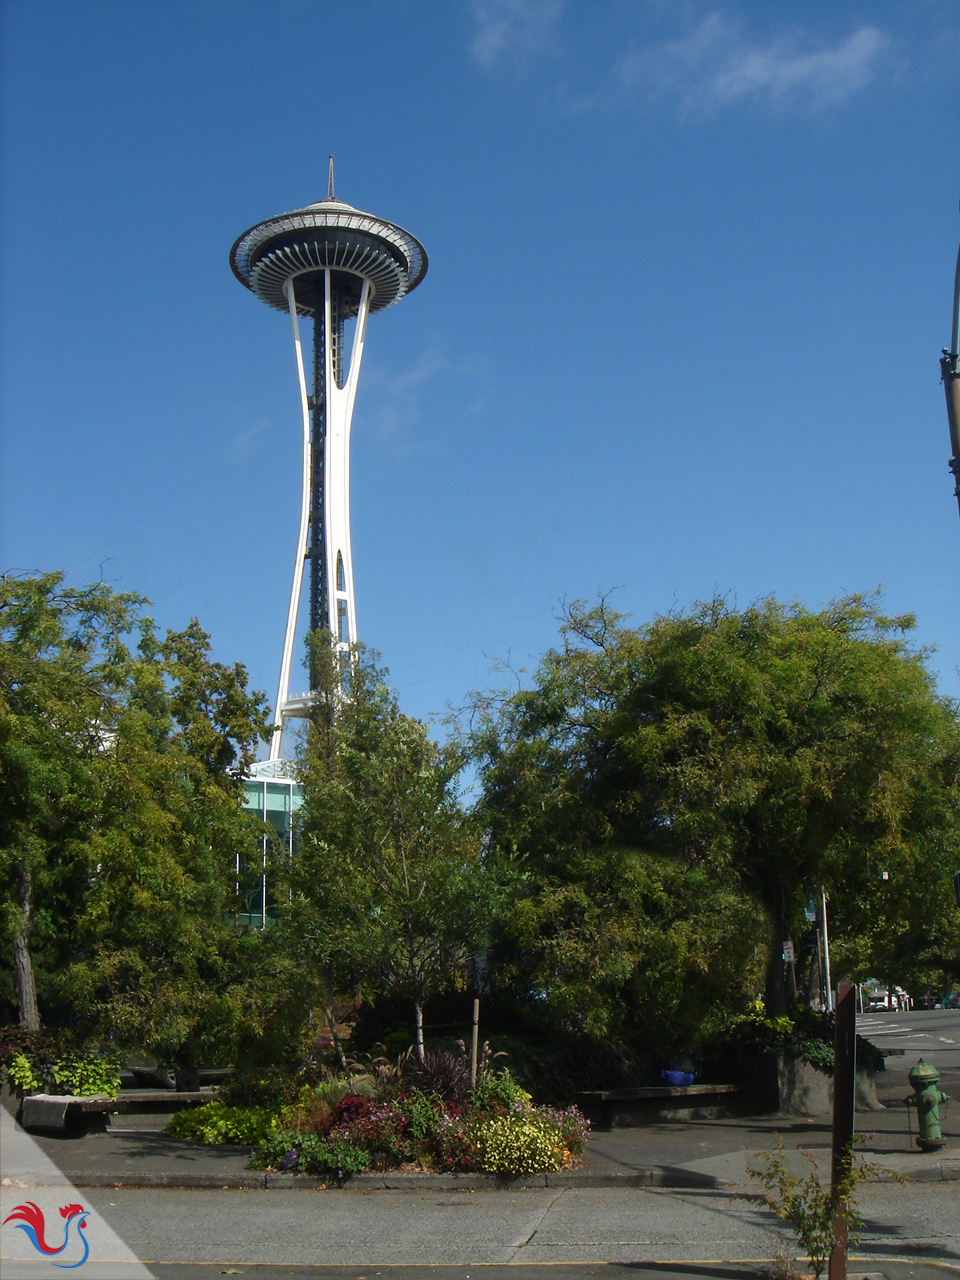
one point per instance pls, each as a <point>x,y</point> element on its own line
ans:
<point>575,1225</point>
<point>931,1034</point>
<point>695,1231</point>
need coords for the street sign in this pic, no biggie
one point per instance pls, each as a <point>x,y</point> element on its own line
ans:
<point>788,952</point>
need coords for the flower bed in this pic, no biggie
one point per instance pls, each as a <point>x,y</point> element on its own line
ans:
<point>419,1131</point>
<point>384,1121</point>
<point>494,1130</point>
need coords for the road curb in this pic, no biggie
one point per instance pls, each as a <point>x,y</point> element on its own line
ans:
<point>668,1179</point>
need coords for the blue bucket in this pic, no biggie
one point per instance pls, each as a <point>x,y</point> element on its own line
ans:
<point>677,1079</point>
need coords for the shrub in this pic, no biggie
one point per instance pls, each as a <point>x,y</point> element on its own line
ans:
<point>572,1125</point>
<point>51,1061</point>
<point>378,1077</point>
<point>557,1066</point>
<point>216,1123</point>
<point>456,1143</point>
<point>395,1132</point>
<point>499,1093</point>
<point>351,1107</point>
<point>421,1114</point>
<point>809,1207</point>
<point>384,1133</point>
<point>803,1033</point>
<point>86,1076</point>
<point>520,1143</point>
<point>442,1072</point>
<point>331,1157</point>
<point>313,1110</point>
<point>259,1087</point>
<point>19,1071</point>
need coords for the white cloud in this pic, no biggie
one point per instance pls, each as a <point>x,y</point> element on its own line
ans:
<point>511,33</point>
<point>716,65</point>
<point>394,404</point>
<point>247,441</point>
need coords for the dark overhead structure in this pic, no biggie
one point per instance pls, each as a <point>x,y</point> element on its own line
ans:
<point>950,370</point>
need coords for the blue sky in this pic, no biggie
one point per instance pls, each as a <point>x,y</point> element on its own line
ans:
<point>691,269</point>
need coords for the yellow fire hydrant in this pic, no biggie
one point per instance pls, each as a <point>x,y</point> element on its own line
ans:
<point>924,1079</point>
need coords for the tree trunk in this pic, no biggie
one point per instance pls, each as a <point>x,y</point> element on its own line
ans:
<point>418,1030</point>
<point>25,985</point>
<point>331,1020</point>
<point>186,1073</point>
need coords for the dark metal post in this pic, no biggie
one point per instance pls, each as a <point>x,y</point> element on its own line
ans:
<point>950,372</point>
<point>844,1085</point>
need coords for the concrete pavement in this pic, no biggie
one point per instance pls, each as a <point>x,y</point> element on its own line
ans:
<point>691,1153</point>
<point>700,1218</point>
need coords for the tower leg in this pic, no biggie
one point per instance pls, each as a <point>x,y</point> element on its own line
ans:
<point>339,403</point>
<point>283,690</point>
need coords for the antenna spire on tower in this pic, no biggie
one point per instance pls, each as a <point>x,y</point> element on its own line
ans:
<point>330,180</point>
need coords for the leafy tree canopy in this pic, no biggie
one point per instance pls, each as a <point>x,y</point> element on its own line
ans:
<point>389,886</point>
<point>768,752</point>
<point>125,761</point>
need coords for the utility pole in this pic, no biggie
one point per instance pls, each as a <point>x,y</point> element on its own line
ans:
<point>827,985</point>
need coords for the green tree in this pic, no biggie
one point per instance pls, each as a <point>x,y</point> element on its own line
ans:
<point>63,670</point>
<point>773,750</point>
<point>389,886</point>
<point>160,962</point>
<point>128,816</point>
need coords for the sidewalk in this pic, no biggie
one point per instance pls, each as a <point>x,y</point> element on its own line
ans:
<point>681,1154</point>
<point>671,1200</point>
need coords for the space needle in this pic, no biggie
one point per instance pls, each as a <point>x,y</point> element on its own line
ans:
<point>334,263</point>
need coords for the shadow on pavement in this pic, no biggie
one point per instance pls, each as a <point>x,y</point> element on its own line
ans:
<point>160,1147</point>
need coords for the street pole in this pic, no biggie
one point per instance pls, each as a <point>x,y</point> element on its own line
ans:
<point>826,951</point>
<point>950,372</point>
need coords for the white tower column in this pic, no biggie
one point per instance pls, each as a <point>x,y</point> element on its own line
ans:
<point>283,691</point>
<point>339,402</point>
<point>333,262</point>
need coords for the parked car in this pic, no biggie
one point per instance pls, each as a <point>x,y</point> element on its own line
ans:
<point>926,1002</point>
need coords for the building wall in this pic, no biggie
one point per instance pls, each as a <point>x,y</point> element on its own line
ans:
<point>272,797</point>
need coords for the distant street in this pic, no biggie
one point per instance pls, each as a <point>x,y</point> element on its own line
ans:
<point>931,1034</point>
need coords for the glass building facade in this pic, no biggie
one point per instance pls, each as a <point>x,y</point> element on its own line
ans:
<point>272,796</point>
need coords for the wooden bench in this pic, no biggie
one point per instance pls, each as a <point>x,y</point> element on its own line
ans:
<point>53,1111</point>
<point>644,1105</point>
